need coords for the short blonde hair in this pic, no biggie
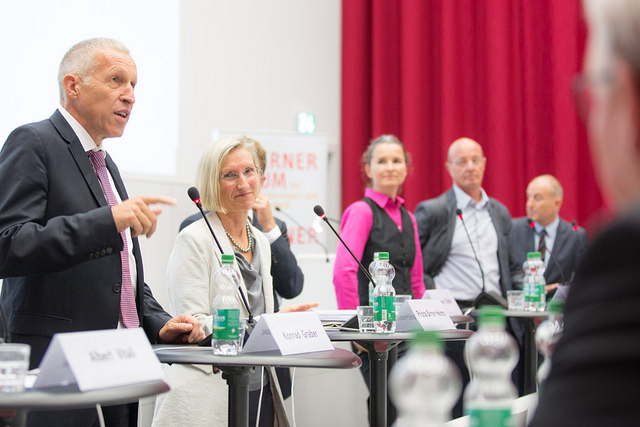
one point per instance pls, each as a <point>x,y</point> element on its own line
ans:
<point>81,59</point>
<point>617,24</point>
<point>210,169</point>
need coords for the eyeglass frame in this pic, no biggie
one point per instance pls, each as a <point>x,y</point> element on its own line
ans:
<point>233,176</point>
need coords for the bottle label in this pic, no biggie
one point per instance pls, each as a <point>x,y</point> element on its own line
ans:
<point>384,308</point>
<point>226,324</point>
<point>490,418</point>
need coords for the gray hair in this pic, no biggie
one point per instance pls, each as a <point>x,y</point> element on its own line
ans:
<point>210,168</point>
<point>81,59</point>
<point>617,26</point>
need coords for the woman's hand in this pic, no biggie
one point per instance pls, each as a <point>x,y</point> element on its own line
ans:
<point>298,307</point>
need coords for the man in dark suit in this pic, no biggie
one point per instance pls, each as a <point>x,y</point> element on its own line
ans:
<point>595,366</point>
<point>561,244</point>
<point>70,259</point>
<point>448,256</point>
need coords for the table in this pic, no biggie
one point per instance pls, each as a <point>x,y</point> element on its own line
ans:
<point>70,397</point>
<point>237,369</point>
<point>378,346</point>
<point>530,351</point>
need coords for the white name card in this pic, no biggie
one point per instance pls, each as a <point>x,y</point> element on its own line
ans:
<point>99,359</point>
<point>428,315</point>
<point>291,333</point>
<point>447,300</point>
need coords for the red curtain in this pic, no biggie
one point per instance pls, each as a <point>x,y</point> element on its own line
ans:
<point>498,71</point>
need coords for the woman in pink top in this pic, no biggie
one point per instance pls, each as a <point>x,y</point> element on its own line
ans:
<point>379,223</point>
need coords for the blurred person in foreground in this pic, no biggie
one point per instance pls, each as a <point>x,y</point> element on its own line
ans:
<point>229,181</point>
<point>595,366</point>
<point>69,252</point>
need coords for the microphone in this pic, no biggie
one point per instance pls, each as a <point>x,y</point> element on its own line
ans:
<point>551,257</point>
<point>459,214</point>
<point>484,298</point>
<point>574,224</point>
<point>326,252</point>
<point>194,195</point>
<point>320,212</point>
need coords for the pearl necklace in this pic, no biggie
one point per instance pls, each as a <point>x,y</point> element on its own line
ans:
<point>243,250</point>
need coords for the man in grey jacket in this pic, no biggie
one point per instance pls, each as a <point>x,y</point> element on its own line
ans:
<point>464,236</point>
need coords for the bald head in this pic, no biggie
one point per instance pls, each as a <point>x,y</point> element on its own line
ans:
<point>544,199</point>
<point>466,164</point>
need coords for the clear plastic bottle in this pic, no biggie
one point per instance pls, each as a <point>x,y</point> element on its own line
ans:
<point>534,283</point>
<point>384,295</point>
<point>491,354</point>
<point>424,385</point>
<point>547,335</point>
<point>226,310</point>
<point>376,257</point>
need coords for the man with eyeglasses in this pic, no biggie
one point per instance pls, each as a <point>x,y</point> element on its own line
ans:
<point>464,236</point>
<point>595,366</point>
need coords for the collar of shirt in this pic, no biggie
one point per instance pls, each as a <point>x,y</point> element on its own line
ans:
<point>382,200</point>
<point>465,201</point>
<point>550,229</point>
<point>88,144</point>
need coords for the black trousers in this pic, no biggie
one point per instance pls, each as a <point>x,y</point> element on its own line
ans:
<point>114,416</point>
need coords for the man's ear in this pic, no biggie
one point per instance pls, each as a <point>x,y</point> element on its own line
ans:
<point>71,84</point>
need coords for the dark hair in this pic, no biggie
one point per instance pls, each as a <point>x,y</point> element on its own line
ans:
<point>382,139</point>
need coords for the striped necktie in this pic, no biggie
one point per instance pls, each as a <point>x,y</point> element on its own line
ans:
<point>542,247</point>
<point>127,298</point>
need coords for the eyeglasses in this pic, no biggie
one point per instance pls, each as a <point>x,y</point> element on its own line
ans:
<point>582,88</point>
<point>233,176</point>
<point>463,162</point>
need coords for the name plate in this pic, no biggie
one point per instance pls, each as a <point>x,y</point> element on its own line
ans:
<point>447,300</point>
<point>428,315</point>
<point>99,359</point>
<point>291,333</point>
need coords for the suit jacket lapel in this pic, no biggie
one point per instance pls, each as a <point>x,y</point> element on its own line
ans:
<point>80,156</point>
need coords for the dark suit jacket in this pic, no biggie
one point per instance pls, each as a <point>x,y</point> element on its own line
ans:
<point>596,364</point>
<point>436,223</point>
<point>288,278</point>
<point>568,249</point>
<point>59,247</point>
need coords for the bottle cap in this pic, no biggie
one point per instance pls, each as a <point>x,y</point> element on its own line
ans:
<point>491,315</point>
<point>376,255</point>
<point>556,306</point>
<point>384,256</point>
<point>534,255</point>
<point>427,339</point>
<point>227,259</point>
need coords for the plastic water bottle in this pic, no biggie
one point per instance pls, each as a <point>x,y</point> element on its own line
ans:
<point>424,384</point>
<point>547,336</point>
<point>491,354</point>
<point>226,310</point>
<point>384,296</point>
<point>372,265</point>
<point>534,283</point>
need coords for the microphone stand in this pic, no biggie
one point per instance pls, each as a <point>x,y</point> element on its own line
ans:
<point>194,195</point>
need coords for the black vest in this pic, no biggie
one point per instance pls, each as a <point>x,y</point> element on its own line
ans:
<point>385,237</point>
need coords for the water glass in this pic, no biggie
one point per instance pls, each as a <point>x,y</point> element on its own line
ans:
<point>515,300</point>
<point>365,318</point>
<point>14,364</point>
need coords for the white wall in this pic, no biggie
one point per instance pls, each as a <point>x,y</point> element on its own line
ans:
<point>252,65</point>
